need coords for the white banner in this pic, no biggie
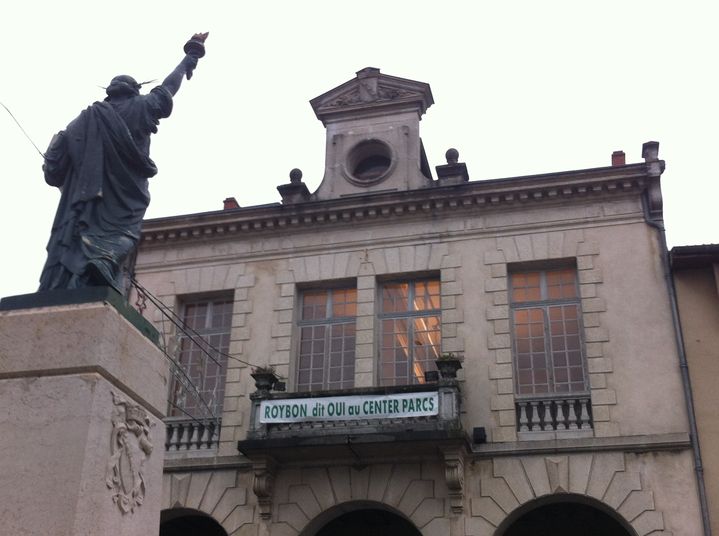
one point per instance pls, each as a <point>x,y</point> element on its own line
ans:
<point>342,408</point>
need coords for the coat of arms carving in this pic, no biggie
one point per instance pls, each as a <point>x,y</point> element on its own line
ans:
<point>130,448</point>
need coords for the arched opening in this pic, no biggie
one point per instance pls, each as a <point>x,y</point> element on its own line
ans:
<point>187,522</point>
<point>564,515</point>
<point>360,519</point>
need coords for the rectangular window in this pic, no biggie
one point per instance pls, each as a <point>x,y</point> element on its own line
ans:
<point>326,357</point>
<point>411,335</point>
<point>547,335</point>
<point>203,360</point>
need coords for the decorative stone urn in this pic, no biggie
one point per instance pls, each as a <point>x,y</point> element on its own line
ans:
<point>448,365</point>
<point>265,379</point>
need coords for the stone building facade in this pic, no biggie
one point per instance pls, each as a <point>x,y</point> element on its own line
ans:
<point>549,290</point>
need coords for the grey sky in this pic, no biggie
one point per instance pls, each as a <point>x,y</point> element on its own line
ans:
<point>519,88</point>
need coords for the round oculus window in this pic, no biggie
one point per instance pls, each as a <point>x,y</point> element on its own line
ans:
<point>369,162</point>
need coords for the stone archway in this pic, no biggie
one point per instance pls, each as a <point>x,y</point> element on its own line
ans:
<point>360,519</point>
<point>188,522</point>
<point>564,515</point>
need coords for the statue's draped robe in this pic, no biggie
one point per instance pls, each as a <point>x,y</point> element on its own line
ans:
<point>101,162</point>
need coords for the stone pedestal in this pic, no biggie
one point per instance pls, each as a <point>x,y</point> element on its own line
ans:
<point>82,395</point>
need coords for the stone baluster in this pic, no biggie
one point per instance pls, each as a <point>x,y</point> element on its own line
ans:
<point>535,417</point>
<point>547,422</point>
<point>206,437</point>
<point>560,419</point>
<point>171,437</point>
<point>193,435</point>
<point>183,442</point>
<point>523,421</point>
<point>584,414</point>
<point>572,415</point>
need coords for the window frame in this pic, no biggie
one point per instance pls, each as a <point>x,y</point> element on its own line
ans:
<point>328,321</point>
<point>217,403</point>
<point>544,304</point>
<point>408,315</point>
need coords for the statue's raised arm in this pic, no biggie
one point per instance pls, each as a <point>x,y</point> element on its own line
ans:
<point>101,162</point>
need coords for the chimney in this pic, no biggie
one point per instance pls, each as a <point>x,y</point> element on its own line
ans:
<point>230,203</point>
<point>618,158</point>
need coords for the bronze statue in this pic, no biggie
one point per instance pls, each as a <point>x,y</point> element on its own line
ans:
<point>101,163</point>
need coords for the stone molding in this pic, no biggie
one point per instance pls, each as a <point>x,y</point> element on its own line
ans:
<point>486,195</point>
<point>505,484</point>
<point>371,90</point>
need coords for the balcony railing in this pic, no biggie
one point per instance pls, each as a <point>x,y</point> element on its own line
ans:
<point>191,435</point>
<point>554,414</point>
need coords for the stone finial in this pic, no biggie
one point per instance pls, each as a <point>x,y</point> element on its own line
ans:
<point>454,171</point>
<point>296,176</point>
<point>295,191</point>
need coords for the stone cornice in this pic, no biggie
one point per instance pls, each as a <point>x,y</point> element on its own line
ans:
<point>639,443</point>
<point>496,194</point>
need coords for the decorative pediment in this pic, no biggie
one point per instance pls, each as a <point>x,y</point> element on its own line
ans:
<point>372,90</point>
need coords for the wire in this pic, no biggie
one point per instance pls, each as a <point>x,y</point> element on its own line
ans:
<point>23,130</point>
<point>179,323</point>
<point>177,367</point>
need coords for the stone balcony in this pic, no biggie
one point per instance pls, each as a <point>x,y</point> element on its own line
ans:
<point>358,427</point>
<point>331,423</point>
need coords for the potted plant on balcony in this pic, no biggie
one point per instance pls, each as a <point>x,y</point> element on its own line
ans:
<point>448,364</point>
<point>265,378</point>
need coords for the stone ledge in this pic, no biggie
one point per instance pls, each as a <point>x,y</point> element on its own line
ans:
<point>53,298</point>
<point>644,443</point>
<point>207,463</point>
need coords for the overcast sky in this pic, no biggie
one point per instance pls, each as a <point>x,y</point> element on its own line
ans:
<point>519,88</point>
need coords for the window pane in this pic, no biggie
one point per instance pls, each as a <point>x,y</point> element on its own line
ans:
<point>344,302</point>
<point>561,284</point>
<point>395,297</point>
<point>525,287</point>
<point>314,305</point>
<point>426,295</point>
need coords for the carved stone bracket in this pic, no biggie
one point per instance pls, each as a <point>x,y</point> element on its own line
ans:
<point>263,483</point>
<point>454,476</point>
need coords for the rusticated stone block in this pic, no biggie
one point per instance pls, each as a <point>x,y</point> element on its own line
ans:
<point>510,469</point>
<point>648,522</point>
<point>487,509</point>
<point>603,469</point>
<point>636,503</point>
<point>428,510</point>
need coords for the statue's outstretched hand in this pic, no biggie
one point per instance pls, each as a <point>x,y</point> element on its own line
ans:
<point>189,63</point>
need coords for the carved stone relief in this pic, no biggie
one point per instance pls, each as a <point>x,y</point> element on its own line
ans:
<point>130,447</point>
